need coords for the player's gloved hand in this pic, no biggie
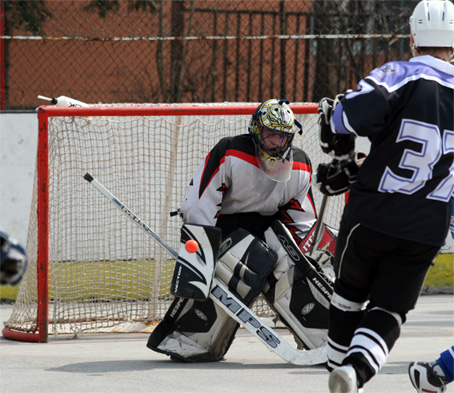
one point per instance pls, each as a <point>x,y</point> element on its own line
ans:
<point>331,179</point>
<point>352,165</point>
<point>325,110</point>
<point>13,260</point>
<point>340,146</point>
<point>335,177</point>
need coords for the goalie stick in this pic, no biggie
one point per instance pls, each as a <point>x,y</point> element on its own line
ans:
<point>319,225</point>
<point>225,299</point>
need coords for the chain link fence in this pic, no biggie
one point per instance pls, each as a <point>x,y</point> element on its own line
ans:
<point>149,51</point>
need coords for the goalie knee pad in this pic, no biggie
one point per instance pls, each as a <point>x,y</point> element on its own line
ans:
<point>200,331</point>
<point>297,291</point>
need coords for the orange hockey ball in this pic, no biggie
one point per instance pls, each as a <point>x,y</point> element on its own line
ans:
<point>191,246</point>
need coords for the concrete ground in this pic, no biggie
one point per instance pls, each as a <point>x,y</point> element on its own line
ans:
<point>113,363</point>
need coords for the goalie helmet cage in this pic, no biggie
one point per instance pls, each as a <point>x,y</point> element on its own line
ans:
<point>91,270</point>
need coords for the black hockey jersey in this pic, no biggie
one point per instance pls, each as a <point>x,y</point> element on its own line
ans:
<point>230,182</point>
<point>406,109</point>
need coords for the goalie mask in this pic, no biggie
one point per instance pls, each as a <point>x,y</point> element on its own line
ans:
<point>272,128</point>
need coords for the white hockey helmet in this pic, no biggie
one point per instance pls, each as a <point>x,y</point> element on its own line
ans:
<point>432,24</point>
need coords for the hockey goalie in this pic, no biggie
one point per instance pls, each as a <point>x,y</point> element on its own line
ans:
<point>250,209</point>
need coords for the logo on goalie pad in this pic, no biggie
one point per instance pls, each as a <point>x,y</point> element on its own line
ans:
<point>288,247</point>
<point>175,310</point>
<point>268,337</point>
<point>307,308</point>
<point>225,245</point>
<point>200,315</point>
<point>321,287</point>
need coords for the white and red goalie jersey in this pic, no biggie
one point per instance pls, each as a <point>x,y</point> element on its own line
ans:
<point>229,184</point>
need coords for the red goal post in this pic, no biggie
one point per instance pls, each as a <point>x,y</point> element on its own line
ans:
<point>90,269</point>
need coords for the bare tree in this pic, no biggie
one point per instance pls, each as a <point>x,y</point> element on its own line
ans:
<point>20,14</point>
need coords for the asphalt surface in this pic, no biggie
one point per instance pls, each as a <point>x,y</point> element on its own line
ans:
<point>113,363</point>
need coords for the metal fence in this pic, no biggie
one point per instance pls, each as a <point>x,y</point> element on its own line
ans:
<point>147,51</point>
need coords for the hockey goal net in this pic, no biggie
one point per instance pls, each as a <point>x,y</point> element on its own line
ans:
<point>91,269</point>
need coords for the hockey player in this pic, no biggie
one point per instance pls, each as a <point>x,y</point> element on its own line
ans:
<point>433,376</point>
<point>398,211</point>
<point>256,189</point>
<point>250,180</point>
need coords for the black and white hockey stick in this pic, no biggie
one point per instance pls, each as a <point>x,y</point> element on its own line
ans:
<point>319,223</point>
<point>225,299</point>
<point>128,212</point>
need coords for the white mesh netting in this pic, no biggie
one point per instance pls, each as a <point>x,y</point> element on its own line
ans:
<point>104,272</point>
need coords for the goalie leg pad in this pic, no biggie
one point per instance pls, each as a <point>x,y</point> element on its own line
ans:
<point>200,331</point>
<point>244,264</point>
<point>297,291</point>
<point>194,271</point>
<point>323,255</point>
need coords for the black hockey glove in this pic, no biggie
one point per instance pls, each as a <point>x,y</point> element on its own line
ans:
<point>325,110</point>
<point>335,177</point>
<point>338,145</point>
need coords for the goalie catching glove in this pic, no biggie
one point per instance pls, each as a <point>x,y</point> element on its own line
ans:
<point>335,178</point>
<point>340,146</point>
